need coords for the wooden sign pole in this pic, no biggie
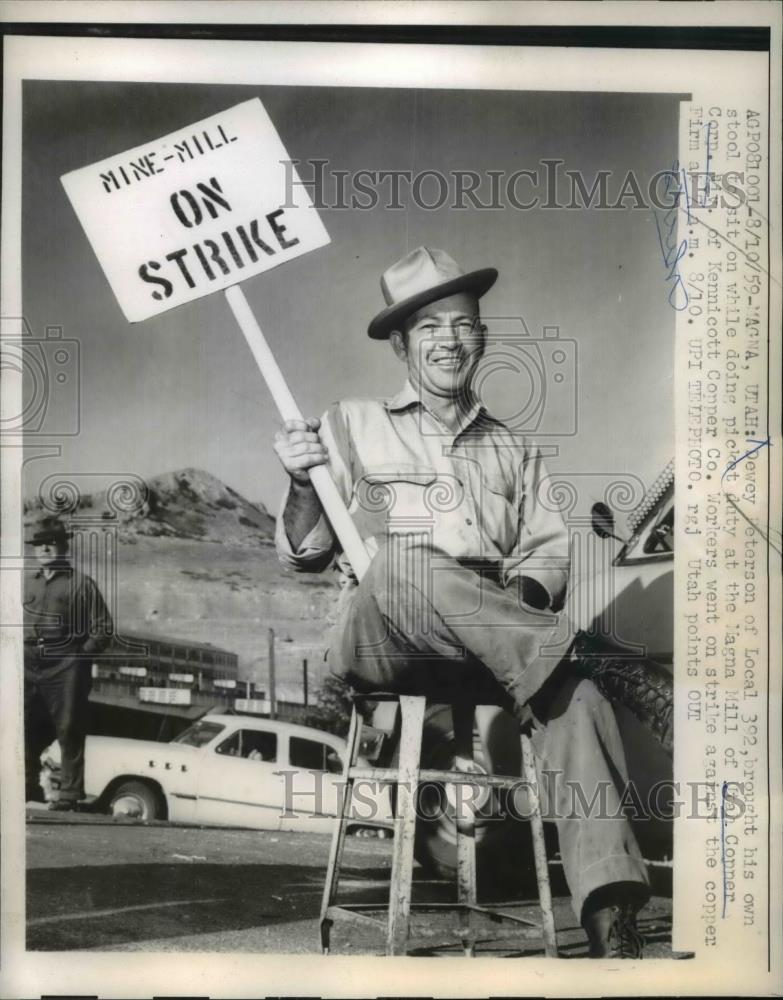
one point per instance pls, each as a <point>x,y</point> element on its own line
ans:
<point>324,485</point>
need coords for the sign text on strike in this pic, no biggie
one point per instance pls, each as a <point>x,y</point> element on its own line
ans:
<point>195,211</point>
<point>233,250</point>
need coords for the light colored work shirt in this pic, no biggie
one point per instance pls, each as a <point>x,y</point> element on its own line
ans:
<point>479,494</point>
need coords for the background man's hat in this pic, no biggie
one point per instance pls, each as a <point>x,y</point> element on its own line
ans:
<point>48,530</point>
<point>421,277</point>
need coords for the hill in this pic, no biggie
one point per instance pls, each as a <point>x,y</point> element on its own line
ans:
<point>189,503</point>
<point>196,560</point>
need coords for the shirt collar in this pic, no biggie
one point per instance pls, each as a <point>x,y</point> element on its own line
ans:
<point>62,565</point>
<point>407,397</point>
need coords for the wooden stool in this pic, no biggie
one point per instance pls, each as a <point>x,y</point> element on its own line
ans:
<point>406,777</point>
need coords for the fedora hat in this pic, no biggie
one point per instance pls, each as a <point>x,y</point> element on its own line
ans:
<point>48,530</point>
<point>421,277</point>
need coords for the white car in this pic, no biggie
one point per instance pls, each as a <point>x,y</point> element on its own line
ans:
<point>229,770</point>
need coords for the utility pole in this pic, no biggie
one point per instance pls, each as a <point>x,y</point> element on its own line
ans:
<point>304,679</point>
<point>272,695</point>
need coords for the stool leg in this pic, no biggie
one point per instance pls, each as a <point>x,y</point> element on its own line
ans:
<point>467,893</point>
<point>412,709</point>
<point>340,828</point>
<point>539,851</point>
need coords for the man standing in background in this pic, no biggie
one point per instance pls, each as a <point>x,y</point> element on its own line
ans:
<point>66,624</point>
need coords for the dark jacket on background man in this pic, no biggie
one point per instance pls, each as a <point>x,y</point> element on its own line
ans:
<point>66,624</point>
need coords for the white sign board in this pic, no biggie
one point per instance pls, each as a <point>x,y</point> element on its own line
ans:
<point>165,696</point>
<point>133,671</point>
<point>219,683</point>
<point>182,678</point>
<point>196,211</point>
<point>254,706</point>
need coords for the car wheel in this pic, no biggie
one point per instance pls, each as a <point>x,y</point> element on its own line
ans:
<point>504,860</point>
<point>136,800</point>
<point>644,687</point>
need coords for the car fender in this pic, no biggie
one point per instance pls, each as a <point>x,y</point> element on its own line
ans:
<point>107,758</point>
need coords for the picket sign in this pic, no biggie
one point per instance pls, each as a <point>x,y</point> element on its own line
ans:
<point>195,212</point>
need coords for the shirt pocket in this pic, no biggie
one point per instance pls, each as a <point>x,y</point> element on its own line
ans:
<point>395,497</point>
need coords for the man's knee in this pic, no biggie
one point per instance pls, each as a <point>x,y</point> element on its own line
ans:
<point>409,577</point>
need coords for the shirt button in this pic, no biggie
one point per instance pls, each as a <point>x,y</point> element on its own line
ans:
<point>468,521</point>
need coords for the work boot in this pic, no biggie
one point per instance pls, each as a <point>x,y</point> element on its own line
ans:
<point>609,918</point>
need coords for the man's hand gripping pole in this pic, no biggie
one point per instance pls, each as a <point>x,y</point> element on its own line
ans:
<point>324,485</point>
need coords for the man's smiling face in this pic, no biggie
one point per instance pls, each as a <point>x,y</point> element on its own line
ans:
<point>442,344</point>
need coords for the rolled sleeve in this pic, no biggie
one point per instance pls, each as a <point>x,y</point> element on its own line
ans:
<point>317,548</point>
<point>542,550</point>
<point>320,545</point>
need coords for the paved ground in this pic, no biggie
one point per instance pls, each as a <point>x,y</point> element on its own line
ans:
<point>99,884</point>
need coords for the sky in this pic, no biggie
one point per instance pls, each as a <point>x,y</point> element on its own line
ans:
<point>181,389</point>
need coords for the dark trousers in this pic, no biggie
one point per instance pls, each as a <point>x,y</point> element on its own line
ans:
<point>55,705</point>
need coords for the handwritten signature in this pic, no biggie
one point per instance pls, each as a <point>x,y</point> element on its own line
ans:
<point>666,225</point>
<point>703,202</point>
<point>724,791</point>
<point>676,184</point>
<point>750,453</point>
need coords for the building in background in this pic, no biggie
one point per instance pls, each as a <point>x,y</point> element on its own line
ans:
<point>153,686</point>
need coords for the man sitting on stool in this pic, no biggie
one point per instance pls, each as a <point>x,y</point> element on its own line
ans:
<point>469,564</point>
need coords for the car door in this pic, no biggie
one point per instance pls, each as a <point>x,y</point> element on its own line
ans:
<point>239,781</point>
<point>314,784</point>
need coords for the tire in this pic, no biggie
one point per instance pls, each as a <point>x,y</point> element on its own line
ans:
<point>644,687</point>
<point>136,800</point>
<point>502,843</point>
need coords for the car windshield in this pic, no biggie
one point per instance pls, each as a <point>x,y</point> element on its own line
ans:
<point>199,733</point>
